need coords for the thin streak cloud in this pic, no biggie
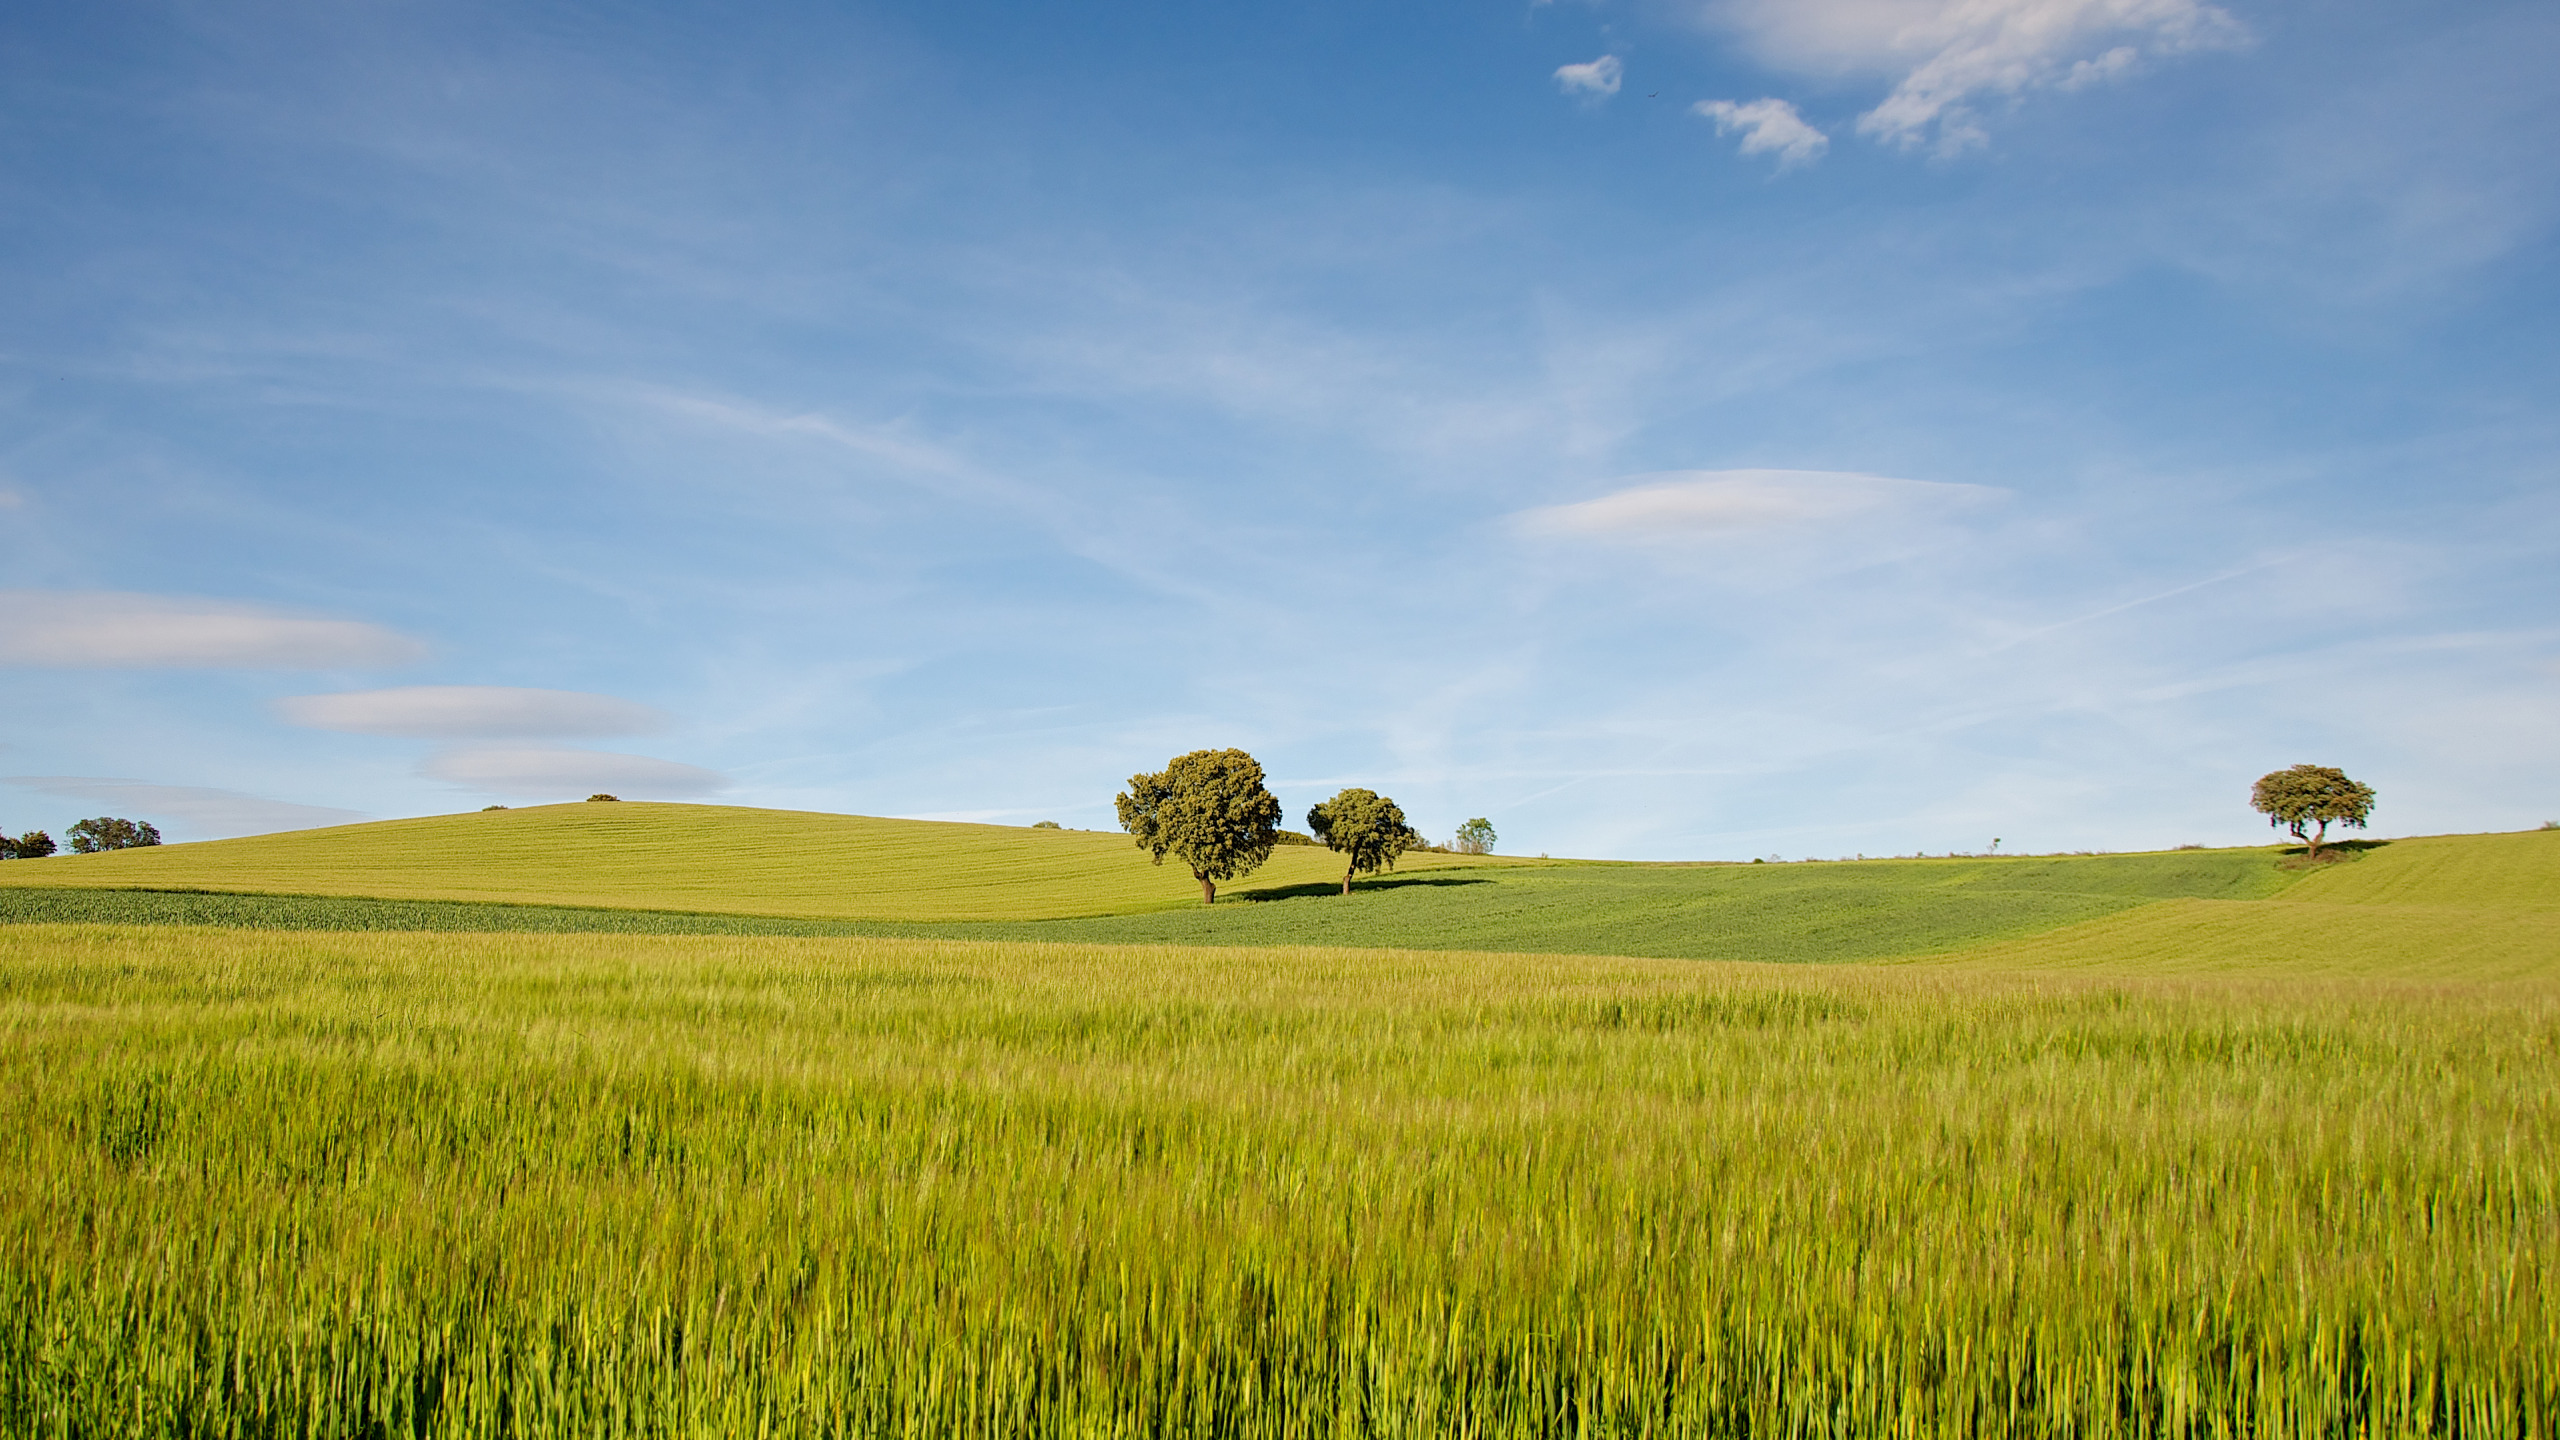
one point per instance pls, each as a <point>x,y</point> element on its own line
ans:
<point>473,712</point>
<point>107,629</point>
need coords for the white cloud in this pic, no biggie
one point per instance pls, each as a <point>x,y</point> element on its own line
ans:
<point>108,629</point>
<point>1695,503</point>
<point>541,771</point>
<point>1945,55</point>
<point>1596,78</point>
<point>192,807</point>
<point>472,711</point>
<point>1769,127</point>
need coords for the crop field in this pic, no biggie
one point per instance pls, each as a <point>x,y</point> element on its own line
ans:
<point>716,859</point>
<point>2247,1151</point>
<point>574,1185</point>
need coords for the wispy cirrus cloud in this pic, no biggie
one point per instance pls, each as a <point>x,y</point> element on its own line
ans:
<point>543,771</point>
<point>471,711</point>
<point>1769,127</point>
<point>108,629</point>
<point>1691,504</point>
<point>1945,57</point>
<point>1592,79</point>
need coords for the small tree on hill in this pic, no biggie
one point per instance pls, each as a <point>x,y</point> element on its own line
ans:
<point>109,833</point>
<point>34,845</point>
<point>1207,809</point>
<point>2311,795</point>
<point>1475,837</point>
<point>1366,827</point>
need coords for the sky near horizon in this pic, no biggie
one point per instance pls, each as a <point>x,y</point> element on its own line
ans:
<point>1670,430</point>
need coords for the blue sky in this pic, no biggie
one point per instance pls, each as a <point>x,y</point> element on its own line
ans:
<point>1799,427</point>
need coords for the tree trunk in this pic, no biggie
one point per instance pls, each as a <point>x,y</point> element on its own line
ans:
<point>1208,888</point>
<point>2316,839</point>
<point>1346,881</point>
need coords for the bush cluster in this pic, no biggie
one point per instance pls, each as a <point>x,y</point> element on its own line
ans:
<point>106,832</point>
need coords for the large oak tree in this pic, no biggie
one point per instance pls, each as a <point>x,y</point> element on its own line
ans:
<point>1365,826</point>
<point>1207,809</point>
<point>2309,795</point>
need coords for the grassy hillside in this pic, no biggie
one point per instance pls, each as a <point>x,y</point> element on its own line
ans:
<point>2445,906</point>
<point>2467,904</point>
<point>710,858</point>
<point>1804,912</point>
<point>536,1186</point>
<point>2516,871</point>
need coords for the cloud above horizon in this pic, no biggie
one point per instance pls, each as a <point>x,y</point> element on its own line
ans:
<point>113,629</point>
<point>544,771</point>
<point>472,712</point>
<point>198,808</point>
<point>1596,79</point>
<point>1947,56</point>
<point>1769,127</point>
<point>1688,504</point>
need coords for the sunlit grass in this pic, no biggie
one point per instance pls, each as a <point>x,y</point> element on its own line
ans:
<point>581,1185</point>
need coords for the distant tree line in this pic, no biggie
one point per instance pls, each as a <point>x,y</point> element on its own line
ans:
<point>104,832</point>
<point>1211,811</point>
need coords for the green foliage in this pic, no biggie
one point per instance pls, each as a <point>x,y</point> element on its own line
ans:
<point>1292,837</point>
<point>106,832</point>
<point>1207,809</point>
<point>1366,828</point>
<point>2311,795</point>
<point>1046,825</point>
<point>34,845</point>
<point>602,796</point>
<point>1476,837</point>
<point>567,1186</point>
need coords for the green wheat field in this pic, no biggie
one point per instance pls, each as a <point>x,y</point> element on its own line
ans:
<point>307,1141</point>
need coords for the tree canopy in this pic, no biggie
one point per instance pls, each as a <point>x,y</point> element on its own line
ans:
<point>1475,837</point>
<point>1366,827</point>
<point>106,832</point>
<point>34,845</point>
<point>2311,795</point>
<point>1209,810</point>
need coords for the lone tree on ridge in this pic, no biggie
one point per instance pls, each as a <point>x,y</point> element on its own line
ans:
<point>1367,827</point>
<point>2311,795</point>
<point>1207,809</point>
<point>34,845</point>
<point>1475,837</point>
<point>109,833</point>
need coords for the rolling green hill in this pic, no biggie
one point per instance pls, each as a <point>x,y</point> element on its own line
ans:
<point>2517,871</point>
<point>2437,907</point>
<point>2475,904</point>
<point>716,859</point>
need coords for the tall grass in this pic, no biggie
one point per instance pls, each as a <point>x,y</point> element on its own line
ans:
<point>336,1184</point>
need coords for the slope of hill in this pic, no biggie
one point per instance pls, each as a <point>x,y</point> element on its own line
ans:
<point>2472,904</point>
<point>709,858</point>
<point>2515,871</point>
<point>652,870</point>
<point>2437,907</point>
